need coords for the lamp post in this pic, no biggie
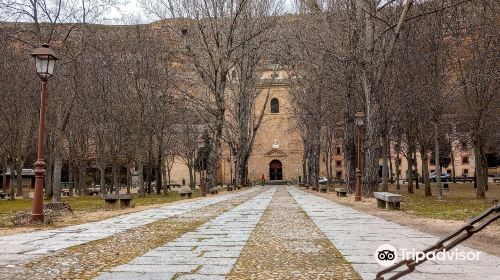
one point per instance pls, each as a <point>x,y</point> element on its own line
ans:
<point>359,118</point>
<point>45,60</point>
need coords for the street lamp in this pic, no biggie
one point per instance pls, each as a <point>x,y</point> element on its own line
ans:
<point>359,119</point>
<point>45,60</point>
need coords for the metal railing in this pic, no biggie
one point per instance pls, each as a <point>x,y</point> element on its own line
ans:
<point>473,226</point>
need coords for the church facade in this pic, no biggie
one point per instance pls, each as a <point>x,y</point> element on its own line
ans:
<point>278,148</point>
<point>277,151</point>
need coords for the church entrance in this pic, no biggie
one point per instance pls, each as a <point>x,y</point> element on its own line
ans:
<point>275,170</point>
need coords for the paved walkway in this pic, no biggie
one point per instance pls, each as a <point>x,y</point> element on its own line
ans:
<point>286,244</point>
<point>357,236</point>
<point>209,252</point>
<point>276,233</point>
<point>27,246</point>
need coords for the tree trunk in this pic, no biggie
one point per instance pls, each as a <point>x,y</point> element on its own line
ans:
<point>304,164</point>
<point>191,177</point>
<point>415,168</point>
<point>115,178</point>
<point>70,179</point>
<point>149,176</point>
<point>349,142</point>
<point>102,171</point>
<point>425,170</point>
<point>385,171</point>
<point>398,159</point>
<point>83,183</point>
<point>371,143</point>
<point>391,170</point>
<point>409,175</point>
<point>436,161</point>
<point>452,157</point>
<point>19,179</point>
<point>213,158</point>
<point>4,176</point>
<point>48,180</point>
<point>56,183</point>
<point>140,170</point>
<point>129,178</point>
<point>327,165</point>
<point>12,190</point>
<point>480,168</point>
<point>243,168</point>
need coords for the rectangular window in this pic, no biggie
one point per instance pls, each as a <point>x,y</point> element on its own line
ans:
<point>338,151</point>
<point>338,163</point>
<point>466,171</point>
<point>338,174</point>
<point>465,160</point>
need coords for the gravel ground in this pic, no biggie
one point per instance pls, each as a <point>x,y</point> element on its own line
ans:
<point>87,260</point>
<point>286,244</point>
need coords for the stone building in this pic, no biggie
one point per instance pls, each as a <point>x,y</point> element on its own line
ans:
<point>278,149</point>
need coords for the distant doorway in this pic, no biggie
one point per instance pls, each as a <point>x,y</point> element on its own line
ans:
<point>275,170</point>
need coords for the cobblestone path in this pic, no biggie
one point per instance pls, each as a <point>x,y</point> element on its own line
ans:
<point>209,252</point>
<point>261,233</point>
<point>24,247</point>
<point>357,235</point>
<point>286,244</point>
<point>86,260</point>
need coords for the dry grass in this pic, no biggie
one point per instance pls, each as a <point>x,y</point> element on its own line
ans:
<point>459,203</point>
<point>81,205</point>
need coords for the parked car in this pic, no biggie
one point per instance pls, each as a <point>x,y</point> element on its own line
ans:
<point>323,180</point>
<point>445,177</point>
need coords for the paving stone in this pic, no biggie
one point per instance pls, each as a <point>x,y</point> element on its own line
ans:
<point>201,277</point>
<point>135,275</point>
<point>357,235</point>
<point>203,265</point>
<point>215,269</point>
<point>40,243</point>
<point>156,268</point>
<point>287,245</point>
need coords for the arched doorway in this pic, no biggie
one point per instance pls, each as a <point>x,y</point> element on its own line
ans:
<point>275,170</point>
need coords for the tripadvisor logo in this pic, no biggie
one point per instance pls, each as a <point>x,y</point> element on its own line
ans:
<point>387,255</point>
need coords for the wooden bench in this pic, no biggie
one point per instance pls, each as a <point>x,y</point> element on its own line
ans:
<point>405,181</point>
<point>315,188</point>
<point>93,191</point>
<point>3,195</point>
<point>185,192</point>
<point>341,192</point>
<point>213,191</point>
<point>110,200</point>
<point>496,180</point>
<point>388,200</point>
<point>323,189</point>
<point>463,180</point>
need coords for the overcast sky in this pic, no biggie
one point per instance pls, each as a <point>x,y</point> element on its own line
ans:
<point>129,13</point>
